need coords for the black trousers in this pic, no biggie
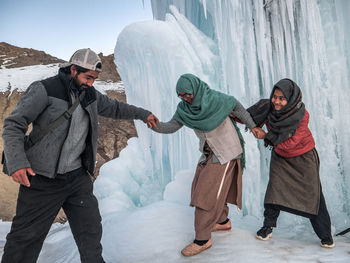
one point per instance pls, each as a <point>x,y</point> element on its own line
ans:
<point>37,207</point>
<point>321,223</point>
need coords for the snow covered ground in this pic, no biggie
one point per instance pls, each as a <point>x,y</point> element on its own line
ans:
<point>158,232</point>
<point>21,78</point>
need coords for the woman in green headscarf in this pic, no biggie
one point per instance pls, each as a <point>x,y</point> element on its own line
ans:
<point>218,178</point>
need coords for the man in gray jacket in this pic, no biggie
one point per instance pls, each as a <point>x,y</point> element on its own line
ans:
<point>54,172</point>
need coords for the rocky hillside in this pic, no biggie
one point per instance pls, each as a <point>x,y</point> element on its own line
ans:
<point>109,71</point>
<point>113,135</point>
<point>15,57</point>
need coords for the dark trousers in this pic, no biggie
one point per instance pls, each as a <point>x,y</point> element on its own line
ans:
<point>37,207</point>
<point>321,223</point>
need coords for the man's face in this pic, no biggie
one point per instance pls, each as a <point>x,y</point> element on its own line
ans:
<point>83,80</point>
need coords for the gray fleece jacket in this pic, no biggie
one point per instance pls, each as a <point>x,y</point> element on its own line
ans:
<point>43,102</point>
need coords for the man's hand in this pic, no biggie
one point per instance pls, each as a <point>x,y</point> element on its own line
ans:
<point>259,133</point>
<point>152,121</point>
<point>20,176</point>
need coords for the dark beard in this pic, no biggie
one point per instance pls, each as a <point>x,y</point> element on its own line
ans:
<point>79,85</point>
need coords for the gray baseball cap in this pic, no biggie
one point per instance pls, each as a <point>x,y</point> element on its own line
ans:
<point>85,58</point>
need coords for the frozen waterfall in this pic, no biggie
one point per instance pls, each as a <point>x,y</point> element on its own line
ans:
<point>242,48</point>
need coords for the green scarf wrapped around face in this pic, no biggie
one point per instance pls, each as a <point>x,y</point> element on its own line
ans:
<point>208,109</point>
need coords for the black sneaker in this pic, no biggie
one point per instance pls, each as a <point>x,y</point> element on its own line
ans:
<point>327,243</point>
<point>264,233</point>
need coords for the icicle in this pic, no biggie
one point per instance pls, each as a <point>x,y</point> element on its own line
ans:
<point>204,3</point>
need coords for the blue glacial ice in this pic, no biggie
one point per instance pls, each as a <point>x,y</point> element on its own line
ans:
<point>242,48</point>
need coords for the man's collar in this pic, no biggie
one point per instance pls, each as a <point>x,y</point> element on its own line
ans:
<point>75,90</point>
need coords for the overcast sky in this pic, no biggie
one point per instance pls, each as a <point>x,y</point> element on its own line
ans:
<point>59,27</point>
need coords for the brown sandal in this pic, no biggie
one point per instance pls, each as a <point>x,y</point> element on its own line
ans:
<point>194,249</point>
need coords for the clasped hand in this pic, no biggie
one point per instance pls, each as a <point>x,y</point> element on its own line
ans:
<point>152,121</point>
<point>259,133</point>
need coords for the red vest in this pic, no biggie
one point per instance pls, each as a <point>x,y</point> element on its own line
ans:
<point>301,142</point>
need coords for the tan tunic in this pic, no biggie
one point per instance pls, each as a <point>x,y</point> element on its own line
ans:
<point>209,182</point>
<point>223,141</point>
<point>294,182</point>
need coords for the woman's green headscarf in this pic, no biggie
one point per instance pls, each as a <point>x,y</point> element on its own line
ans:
<point>208,109</point>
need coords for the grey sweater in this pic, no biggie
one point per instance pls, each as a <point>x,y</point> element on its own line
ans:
<point>74,144</point>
